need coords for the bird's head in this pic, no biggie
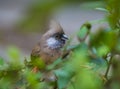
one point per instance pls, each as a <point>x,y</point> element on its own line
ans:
<point>55,37</point>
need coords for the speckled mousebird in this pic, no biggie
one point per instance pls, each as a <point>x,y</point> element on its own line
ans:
<point>49,46</point>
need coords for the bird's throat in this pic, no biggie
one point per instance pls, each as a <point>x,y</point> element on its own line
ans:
<point>54,44</point>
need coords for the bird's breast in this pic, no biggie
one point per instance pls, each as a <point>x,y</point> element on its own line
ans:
<point>49,56</point>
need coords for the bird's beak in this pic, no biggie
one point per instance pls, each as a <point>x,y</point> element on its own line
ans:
<point>64,37</point>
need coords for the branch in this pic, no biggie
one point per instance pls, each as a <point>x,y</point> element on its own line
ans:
<point>108,68</point>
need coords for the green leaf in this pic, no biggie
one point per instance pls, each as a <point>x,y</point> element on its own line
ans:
<point>87,79</point>
<point>39,63</point>
<point>92,4</point>
<point>63,78</point>
<point>102,9</point>
<point>104,37</point>
<point>54,64</point>
<point>84,31</point>
<point>103,50</point>
<point>14,52</point>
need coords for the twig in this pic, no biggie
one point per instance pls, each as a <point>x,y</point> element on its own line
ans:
<point>108,68</point>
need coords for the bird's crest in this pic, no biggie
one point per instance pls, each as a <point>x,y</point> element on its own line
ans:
<point>54,26</point>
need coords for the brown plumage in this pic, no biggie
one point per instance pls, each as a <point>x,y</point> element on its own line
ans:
<point>49,47</point>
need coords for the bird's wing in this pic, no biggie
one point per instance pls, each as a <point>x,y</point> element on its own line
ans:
<point>35,52</point>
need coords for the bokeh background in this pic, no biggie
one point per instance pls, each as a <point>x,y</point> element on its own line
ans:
<point>22,22</point>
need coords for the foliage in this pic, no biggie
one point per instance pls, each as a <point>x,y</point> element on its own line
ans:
<point>86,67</point>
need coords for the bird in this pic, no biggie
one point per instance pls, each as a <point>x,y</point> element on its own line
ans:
<point>49,47</point>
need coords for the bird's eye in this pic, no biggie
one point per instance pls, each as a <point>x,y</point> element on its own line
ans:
<point>57,36</point>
